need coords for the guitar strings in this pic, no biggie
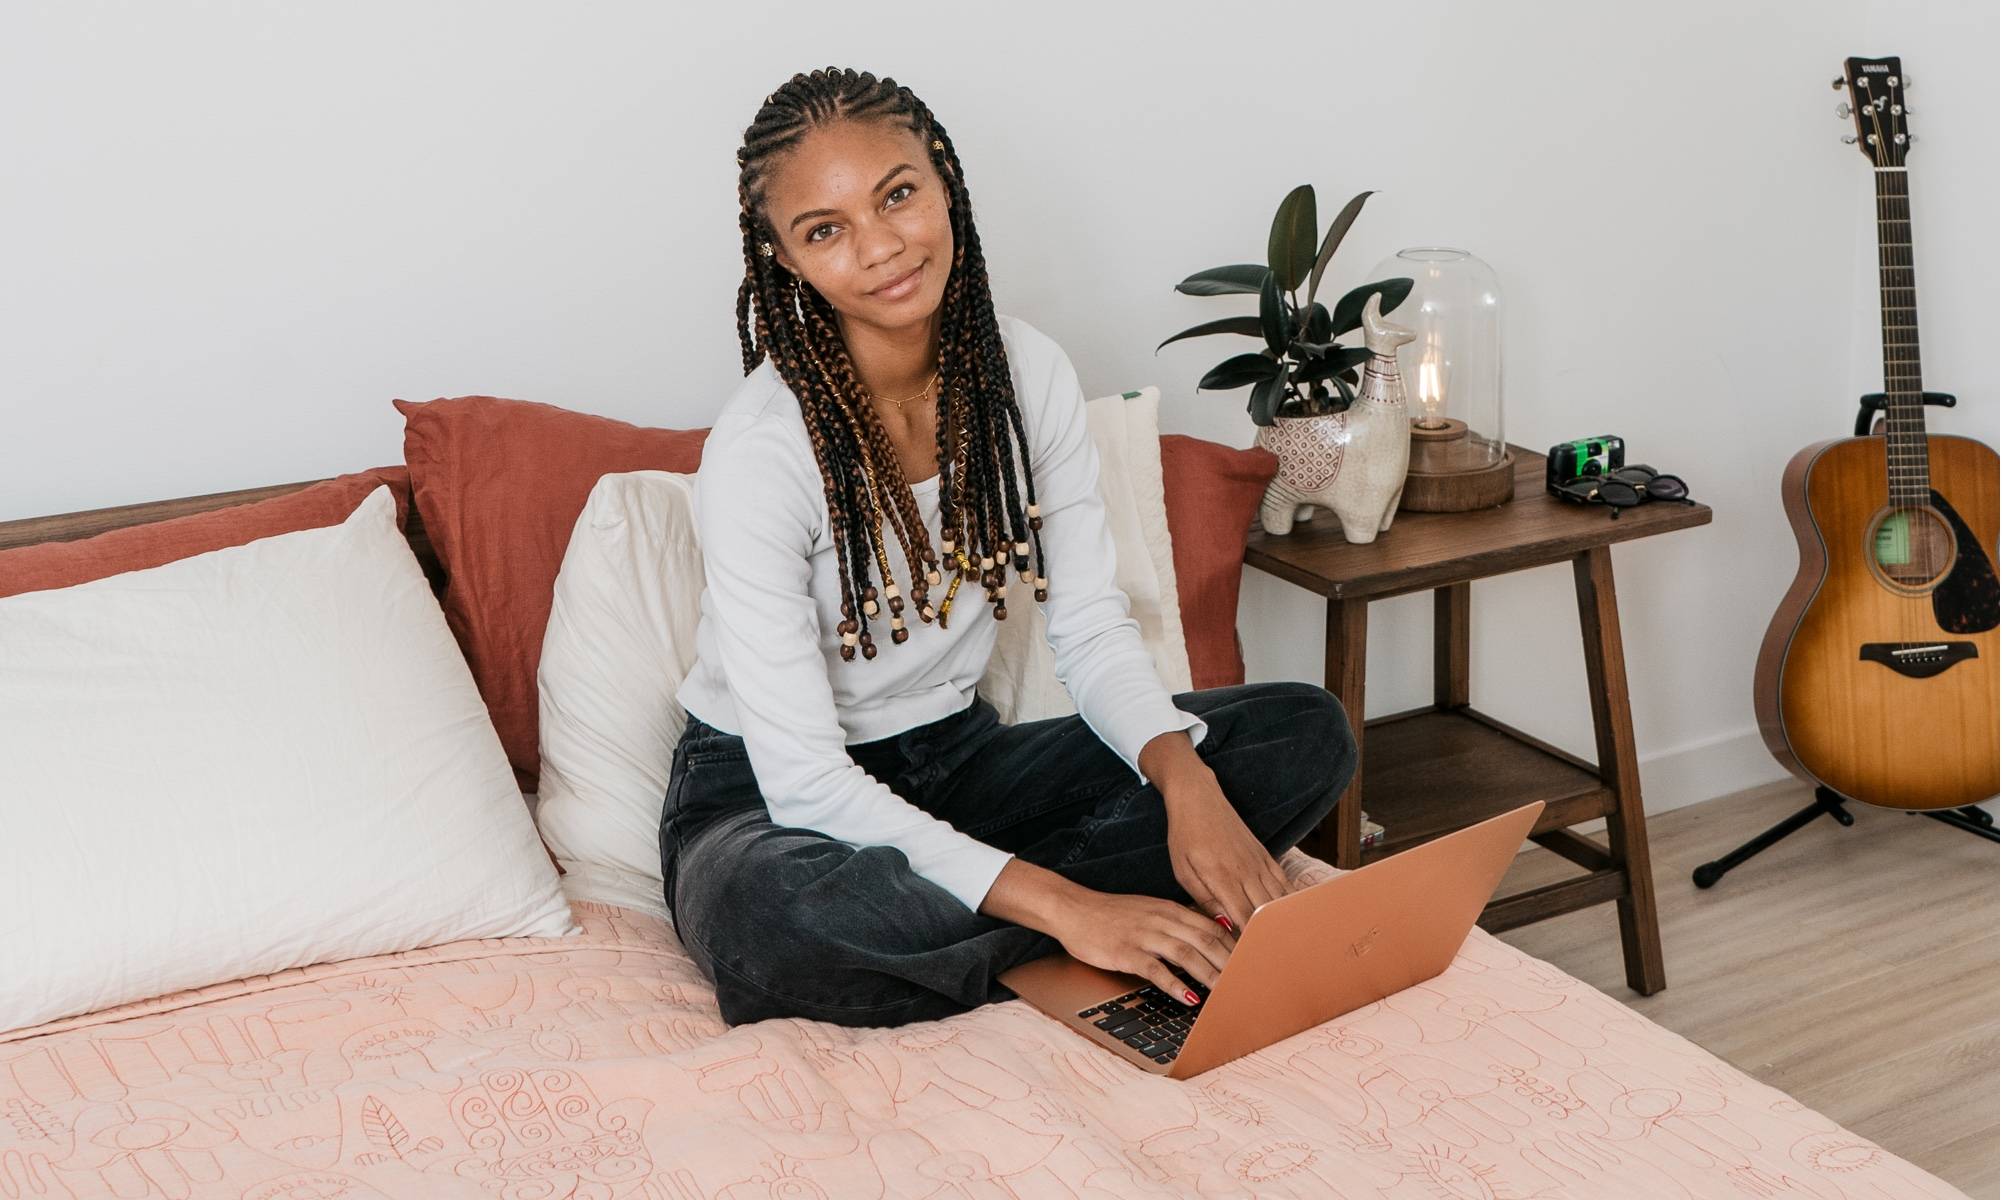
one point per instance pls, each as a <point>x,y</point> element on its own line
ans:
<point>1903,506</point>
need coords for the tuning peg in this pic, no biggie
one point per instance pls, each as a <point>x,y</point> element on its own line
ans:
<point>1849,139</point>
<point>1842,110</point>
<point>1836,83</point>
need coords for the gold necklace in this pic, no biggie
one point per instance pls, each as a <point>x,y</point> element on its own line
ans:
<point>922,392</point>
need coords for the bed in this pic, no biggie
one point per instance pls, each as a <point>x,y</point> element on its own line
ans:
<point>597,1066</point>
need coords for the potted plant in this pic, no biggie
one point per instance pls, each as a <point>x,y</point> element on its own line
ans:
<point>1304,380</point>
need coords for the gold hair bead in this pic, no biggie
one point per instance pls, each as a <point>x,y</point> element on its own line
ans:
<point>765,248</point>
<point>937,145</point>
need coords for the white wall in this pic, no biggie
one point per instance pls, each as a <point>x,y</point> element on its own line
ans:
<point>229,234</point>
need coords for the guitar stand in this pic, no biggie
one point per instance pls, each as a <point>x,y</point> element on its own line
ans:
<point>1973,818</point>
<point>1875,402</point>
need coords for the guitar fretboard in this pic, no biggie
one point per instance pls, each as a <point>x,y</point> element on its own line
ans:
<point>1904,411</point>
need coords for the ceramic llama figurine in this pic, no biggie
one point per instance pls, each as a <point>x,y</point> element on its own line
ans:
<point>1351,463</point>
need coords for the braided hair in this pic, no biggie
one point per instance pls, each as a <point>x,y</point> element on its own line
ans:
<point>984,524</point>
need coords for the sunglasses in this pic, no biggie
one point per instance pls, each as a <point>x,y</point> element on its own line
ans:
<point>1624,487</point>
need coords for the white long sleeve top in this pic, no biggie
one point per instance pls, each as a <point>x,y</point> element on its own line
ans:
<point>768,663</point>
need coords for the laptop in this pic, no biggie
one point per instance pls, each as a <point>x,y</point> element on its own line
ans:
<point>1302,959</point>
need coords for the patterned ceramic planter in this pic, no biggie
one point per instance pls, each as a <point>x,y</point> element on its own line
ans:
<point>1351,463</point>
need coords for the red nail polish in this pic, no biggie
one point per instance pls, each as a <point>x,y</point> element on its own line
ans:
<point>1188,995</point>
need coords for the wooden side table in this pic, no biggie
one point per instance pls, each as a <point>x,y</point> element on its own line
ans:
<point>1436,769</point>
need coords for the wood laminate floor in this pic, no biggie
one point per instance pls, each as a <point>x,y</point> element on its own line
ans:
<point>1853,968</point>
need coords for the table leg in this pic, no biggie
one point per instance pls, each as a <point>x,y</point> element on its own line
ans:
<point>1348,641</point>
<point>1451,609</point>
<point>1613,725</point>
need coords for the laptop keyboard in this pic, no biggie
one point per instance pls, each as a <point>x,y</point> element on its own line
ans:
<point>1149,1020</point>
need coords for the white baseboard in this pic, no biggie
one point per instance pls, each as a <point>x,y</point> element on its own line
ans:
<point>1704,770</point>
<point>1699,771</point>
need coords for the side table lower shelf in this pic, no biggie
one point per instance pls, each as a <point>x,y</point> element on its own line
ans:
<point>1431,771</point>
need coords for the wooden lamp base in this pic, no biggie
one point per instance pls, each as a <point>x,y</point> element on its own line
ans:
<point>1449,473</point>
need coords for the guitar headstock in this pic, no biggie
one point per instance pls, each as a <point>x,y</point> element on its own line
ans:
<point>1876,104</point>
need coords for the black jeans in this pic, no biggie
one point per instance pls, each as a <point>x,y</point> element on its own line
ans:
<point>791,922</point>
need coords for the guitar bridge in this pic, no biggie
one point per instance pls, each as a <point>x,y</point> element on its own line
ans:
<point>1917,660</point>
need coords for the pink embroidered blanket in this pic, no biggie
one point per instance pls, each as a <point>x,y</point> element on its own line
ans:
<point>596,1066</point>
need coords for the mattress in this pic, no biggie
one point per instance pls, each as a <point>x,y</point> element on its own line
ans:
<point>596,1066</point>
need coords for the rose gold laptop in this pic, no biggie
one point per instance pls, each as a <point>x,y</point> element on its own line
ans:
<point>1300,960</point>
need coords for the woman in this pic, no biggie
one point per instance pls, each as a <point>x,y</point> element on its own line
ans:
<point>849,833</point>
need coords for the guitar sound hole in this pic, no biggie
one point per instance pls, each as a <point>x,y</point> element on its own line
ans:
<point>1910,548</point>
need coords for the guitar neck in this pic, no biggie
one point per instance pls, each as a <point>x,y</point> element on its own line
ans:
<point>1904,409</point>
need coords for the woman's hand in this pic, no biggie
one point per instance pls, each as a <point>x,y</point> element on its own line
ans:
<point>1135,934</point>
<point>1115,932</point>
<point>1217,859</point>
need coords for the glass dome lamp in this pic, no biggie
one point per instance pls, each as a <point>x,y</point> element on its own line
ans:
<point>1452,369</point>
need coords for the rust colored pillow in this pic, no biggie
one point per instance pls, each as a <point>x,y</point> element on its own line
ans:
<point>48,565</point>
<point>1212,493</point>
<point>499,484</point>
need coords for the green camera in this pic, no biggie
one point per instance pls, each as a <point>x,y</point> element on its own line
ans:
<point>1584,456</point>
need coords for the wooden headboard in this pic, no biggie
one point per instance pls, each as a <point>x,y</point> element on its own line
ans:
<point>68,527</point>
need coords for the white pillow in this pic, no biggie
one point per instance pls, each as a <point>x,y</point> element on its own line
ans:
<point>621,638</point>
<point>1021,680</point>
<point>255,758</point>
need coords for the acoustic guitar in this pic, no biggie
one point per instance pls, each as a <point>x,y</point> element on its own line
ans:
<point>1878,675</point>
